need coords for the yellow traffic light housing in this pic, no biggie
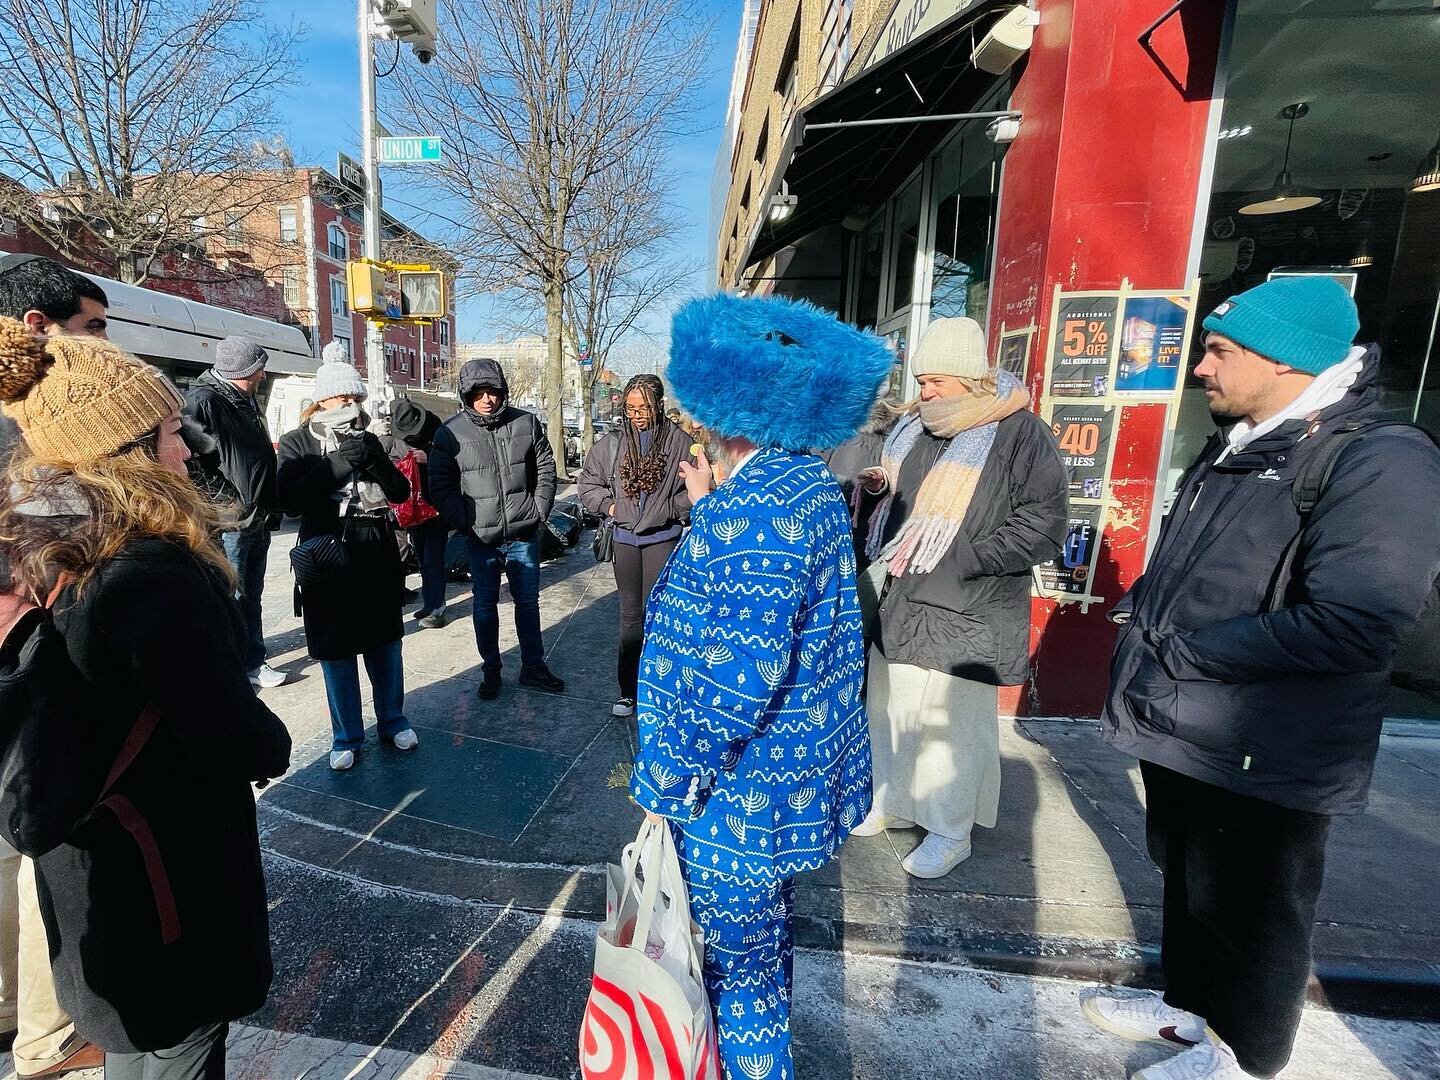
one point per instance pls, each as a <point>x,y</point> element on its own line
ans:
<point>422,294</point>
<point>365,281</point>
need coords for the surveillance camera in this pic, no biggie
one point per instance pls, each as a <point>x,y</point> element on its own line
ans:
<point>1004,130</point>
<point>424,55</point>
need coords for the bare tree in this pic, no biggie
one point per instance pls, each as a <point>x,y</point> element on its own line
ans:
<point>117,115</point>
<point>624,264</point>
<point>535,100</point>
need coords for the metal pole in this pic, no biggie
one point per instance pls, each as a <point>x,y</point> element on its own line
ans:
<point>370,240</point>
<point>994,114</point>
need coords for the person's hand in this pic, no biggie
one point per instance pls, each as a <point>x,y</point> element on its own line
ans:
<point>699,478</point>
<point>610,512</point>
<point>354,452</point>
<point>873,480</point>
<point>420,457</point>
<point>653,818</point>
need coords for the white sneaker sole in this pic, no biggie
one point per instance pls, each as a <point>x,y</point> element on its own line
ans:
<point>1101,1021</point>
<point>622,710</point>
<point>866,829</point>
<point>929,873</point>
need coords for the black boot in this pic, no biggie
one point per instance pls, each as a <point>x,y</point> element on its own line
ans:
<point>490,687</point>
<point>542,678</point>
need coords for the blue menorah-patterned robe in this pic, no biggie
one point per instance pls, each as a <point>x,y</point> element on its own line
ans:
<point>753,735</point>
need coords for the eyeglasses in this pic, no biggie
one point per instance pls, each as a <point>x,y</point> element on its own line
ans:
<point>639,413</point>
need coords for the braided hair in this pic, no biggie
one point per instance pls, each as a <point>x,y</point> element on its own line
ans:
<point>642,471</point>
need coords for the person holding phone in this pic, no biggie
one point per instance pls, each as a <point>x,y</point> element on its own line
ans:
<point>633,476</point>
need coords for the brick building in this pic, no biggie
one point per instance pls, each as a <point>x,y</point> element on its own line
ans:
<point>1158,158</point>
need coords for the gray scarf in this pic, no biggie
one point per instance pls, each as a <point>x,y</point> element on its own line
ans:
<point>347,422</point>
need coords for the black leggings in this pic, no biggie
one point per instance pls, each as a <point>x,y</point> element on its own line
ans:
<point>636,571</point>
<point>1242,877</point>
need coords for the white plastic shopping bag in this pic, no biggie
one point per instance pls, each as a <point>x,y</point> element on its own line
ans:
<point>648,1017</point>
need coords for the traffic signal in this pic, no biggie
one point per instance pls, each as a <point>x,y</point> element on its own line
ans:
<point>366,285</point>
<point>422,294</point>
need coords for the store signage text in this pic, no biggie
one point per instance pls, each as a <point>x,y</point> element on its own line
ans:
<point>909,20</point>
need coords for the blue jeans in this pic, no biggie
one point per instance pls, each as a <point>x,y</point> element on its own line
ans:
<point>342,690</point>
<point>429,540</point>
<point>520,560</point>
<point>246,551</point>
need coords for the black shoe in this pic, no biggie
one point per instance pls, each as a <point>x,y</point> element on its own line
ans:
<point>542,678</point>
<point>490,688</point>
<point>408,595</point>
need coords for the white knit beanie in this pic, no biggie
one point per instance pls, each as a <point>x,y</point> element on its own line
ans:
<point>337,375</point>
<point>952,347</point>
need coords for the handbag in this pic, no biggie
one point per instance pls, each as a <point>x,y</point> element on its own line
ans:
<point>603,545</point>
<point>648,1013</point>
<point>321,559</point>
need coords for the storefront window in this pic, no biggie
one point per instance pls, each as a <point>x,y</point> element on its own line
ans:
<point>872,257</point>
<point>907,245</point>
<point>967,187</point>
<point>1362,138</point>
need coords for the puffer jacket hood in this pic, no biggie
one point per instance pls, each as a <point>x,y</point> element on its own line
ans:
<point>478,373</point>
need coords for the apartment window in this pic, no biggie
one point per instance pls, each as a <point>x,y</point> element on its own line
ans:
<point>290,278</point>
<point>762,145</point>
<point>339,298</point>
<point>197,224</point>
<point>444,325</point>
<point>289,232</point>
<point>234,224</point>
<point>339,241</point>
<point>836,46</point>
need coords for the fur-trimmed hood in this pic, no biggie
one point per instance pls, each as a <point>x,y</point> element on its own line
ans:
<point>778,372</point>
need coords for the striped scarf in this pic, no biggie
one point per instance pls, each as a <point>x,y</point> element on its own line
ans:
<point>970,422</point>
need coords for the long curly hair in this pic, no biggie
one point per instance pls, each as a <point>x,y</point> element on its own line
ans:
<point>128,496</point>
<point>643,470</point>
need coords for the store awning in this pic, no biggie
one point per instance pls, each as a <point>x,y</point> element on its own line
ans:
<point>834,172</point>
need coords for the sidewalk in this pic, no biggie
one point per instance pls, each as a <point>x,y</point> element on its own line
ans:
<point>519,802</point>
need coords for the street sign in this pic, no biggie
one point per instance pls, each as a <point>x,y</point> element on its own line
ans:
<point>410,149</point>
<point>351,173</point>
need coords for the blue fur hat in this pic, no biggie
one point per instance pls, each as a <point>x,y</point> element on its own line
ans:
<point>775,371</point>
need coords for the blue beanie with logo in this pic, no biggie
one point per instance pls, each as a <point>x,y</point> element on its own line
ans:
<point>1307,323</point>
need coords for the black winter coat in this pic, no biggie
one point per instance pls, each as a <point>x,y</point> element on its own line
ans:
<point>156,626</point>
<point>247,456</point>
<point>361,611</point>
<point>1284,706</point>
<point>666,507</point>
<point>493,477</point>
<point>970,617</point>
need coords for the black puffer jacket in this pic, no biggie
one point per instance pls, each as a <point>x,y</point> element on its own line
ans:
<point>970,617</point>
<point>155,626</point>
<point>1284,706</point>
<point>246,455</point>
<point>492,476</point>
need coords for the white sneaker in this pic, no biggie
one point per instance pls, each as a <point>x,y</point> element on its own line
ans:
<point>405,740</point>
<point>1208,1060</point>
<point>340,760</point>
<point>936,856</point>
<point>1142,1017</point>
<point>623,707</point>
<point>266,677</point>
<point>875,823</point>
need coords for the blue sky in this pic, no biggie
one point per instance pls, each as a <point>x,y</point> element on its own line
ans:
<point>323,116</point>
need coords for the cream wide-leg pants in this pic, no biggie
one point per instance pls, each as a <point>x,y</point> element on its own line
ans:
<point>936,744</point>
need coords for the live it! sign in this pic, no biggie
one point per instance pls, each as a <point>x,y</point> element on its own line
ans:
<point>912,19</point>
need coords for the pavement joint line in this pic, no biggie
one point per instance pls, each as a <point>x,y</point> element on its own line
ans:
<point>597,869</point>
<point>452,733</point>
<point>883,892</point>
<point>388,809</point>
<point>563,777</point>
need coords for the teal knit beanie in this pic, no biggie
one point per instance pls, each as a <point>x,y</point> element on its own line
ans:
<point>1307,323</point>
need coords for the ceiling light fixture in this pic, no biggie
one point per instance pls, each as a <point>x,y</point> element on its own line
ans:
<point>1285,196</point>
<point>1427,173</point>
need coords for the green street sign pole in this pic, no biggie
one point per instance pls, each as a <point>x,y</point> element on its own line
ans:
<point>410,149</point>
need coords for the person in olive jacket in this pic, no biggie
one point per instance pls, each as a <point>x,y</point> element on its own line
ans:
<point>337,478</point>
<point>492,477</point>
<point>976,495</point>
<point>154,904</point>
<point>633,476</point>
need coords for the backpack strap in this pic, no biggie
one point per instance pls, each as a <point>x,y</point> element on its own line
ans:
<point>1310,483</point>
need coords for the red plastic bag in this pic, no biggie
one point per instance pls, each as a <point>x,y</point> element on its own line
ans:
<point>414,510</point>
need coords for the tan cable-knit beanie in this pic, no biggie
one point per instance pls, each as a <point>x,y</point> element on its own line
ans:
<point>79,399</point>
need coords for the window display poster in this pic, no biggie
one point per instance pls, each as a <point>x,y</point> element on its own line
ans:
<point>1015,352</point>
<point>1083,435</point>
<point>1070,572</point>
<point>1152,344</point>
<point>1080,352</point>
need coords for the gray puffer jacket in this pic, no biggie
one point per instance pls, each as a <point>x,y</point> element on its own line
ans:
<point>493,476</point>
<point>970,616</point>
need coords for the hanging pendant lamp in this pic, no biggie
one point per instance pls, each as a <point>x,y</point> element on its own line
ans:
<point>1285,196</point>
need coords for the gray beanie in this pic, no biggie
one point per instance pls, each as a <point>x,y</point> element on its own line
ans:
<point>238,358</point>
<point>337,375</point>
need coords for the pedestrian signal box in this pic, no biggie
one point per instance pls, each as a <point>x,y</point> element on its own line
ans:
<point>422,294</point>
<point>366,284</point>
